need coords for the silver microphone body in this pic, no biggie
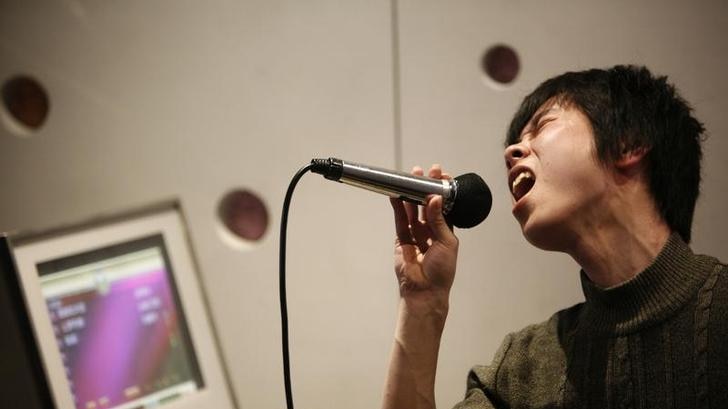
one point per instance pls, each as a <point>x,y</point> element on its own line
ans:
<point>400,185</point>
<point>466,198</point>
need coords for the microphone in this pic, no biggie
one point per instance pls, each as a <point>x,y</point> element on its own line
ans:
<point>466,199</point>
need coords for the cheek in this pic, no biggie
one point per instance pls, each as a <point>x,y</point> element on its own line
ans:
<point>573,171</point>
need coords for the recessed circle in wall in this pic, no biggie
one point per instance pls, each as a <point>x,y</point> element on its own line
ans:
<point>501,64</point>
<point>243,218</point>
<point>25,105</point>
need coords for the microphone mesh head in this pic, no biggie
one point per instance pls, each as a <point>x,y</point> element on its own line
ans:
<point>472,202</point>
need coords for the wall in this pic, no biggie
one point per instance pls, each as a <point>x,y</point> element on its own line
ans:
<point>151,100</point>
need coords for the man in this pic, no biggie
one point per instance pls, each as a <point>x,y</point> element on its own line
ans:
<point>605,166</point>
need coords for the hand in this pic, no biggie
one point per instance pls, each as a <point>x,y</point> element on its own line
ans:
<point>425,249</point>
<point>424,261</point>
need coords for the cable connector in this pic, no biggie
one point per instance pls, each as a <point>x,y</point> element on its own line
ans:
<point>330,168</point>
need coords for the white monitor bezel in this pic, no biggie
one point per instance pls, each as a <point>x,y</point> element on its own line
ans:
<point>165,219</point>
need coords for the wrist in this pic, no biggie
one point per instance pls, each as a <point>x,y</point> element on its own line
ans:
<point>425,305</point>
<point>422,319</point>
<point>429,309</point>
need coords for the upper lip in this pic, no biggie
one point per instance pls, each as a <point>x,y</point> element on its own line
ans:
<point>513,174</point>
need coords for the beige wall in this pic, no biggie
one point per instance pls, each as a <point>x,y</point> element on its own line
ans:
<point>162,99</point>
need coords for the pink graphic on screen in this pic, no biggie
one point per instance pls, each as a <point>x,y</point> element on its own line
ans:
<point>121,340</point>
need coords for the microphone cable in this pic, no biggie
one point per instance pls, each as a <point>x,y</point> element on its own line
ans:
<point>472,208</point>
<point>282,284</point>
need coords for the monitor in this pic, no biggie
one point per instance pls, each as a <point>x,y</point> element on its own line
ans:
<point>118,314</point>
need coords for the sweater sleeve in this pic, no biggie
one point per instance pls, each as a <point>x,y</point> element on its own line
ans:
<point>528,369</point>
<point>482,390</point>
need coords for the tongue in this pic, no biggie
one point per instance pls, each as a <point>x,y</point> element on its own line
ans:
<point>523,187</point>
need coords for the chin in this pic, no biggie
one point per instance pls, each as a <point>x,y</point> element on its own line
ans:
<point>545,236</point>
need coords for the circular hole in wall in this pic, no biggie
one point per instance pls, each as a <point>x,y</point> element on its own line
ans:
<point>25,104</point>
<point>501,64</point>
<point>243,218</point>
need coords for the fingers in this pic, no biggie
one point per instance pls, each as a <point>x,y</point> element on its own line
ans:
<point>410,232</point>
<point>439,228</point>
<point>411,208</point>
<point>401,222</point>
<point>418,229</point>
<point>412,211</point>
<point>435,171</point>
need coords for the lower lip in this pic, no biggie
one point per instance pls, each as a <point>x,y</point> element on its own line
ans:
<point>520,202</point>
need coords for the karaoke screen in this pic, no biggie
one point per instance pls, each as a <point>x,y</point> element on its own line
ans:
<point>120,327</point>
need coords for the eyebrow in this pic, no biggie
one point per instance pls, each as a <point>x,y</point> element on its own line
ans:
<point>537,117</point>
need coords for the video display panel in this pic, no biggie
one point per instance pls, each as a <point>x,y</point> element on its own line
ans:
<point>119,326</point>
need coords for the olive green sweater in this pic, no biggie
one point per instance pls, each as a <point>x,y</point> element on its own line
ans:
<point>659,340</point>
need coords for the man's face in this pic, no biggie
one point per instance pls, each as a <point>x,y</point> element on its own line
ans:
<point>559,188</point>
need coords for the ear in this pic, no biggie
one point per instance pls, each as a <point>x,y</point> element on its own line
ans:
<point>631,159</point>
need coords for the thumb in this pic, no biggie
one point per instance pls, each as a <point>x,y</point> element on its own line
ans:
<point>436,221</point>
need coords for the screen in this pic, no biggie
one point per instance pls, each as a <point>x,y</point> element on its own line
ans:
<point>119,326</point>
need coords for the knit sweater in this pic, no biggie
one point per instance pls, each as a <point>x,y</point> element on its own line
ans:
<point>660,340</point>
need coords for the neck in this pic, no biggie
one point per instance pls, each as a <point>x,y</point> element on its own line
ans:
<point>657,292</point>
<point>611,259</point>
<point>615,249</point>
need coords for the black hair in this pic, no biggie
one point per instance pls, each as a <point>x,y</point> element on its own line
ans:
<point>630,108</point>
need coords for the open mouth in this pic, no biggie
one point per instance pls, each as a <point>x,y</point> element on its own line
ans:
<point>522,184</point>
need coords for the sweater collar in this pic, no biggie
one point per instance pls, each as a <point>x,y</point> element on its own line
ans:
<point>653,295</point>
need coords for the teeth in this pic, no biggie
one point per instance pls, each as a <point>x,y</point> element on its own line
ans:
<point>520,178</point>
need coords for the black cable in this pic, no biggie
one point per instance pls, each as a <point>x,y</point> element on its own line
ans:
<point>282,284</point>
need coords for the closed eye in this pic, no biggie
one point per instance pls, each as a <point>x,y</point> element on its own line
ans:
<point>543,122</point>
<point>539,120</point>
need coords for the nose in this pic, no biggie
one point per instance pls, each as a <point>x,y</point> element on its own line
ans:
<point>514,153</point>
